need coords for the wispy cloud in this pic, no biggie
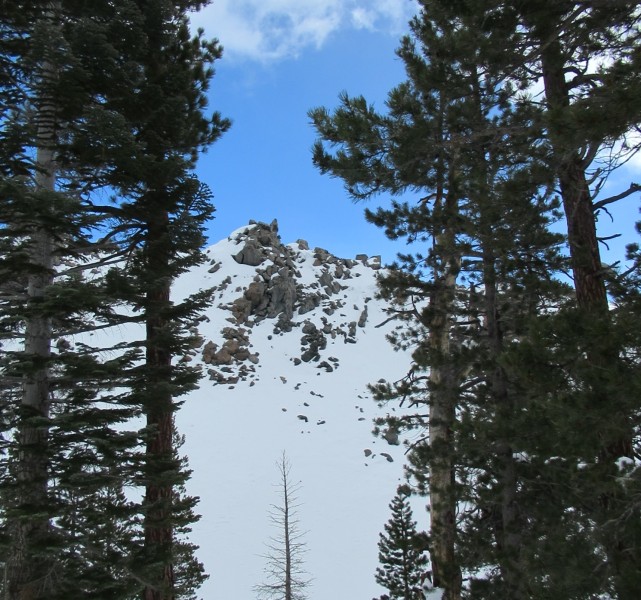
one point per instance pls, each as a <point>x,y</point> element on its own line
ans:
<point>270,30</point>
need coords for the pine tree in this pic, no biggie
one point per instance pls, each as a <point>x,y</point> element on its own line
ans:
<point>96,61</point>
<point>45,94</point>
<point>573,38</point>
<point>403,563</point>
<point>459,132</point>
<point>163,210</point>
<point>445,136</point>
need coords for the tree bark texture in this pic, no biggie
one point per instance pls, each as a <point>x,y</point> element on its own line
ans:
<point>507,529</point>
<point>159,412</point>
<point>443,402</point>
<point>575,192</point>
<point>30,575</point>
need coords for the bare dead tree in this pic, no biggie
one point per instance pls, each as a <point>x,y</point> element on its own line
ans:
<point>285,575</point>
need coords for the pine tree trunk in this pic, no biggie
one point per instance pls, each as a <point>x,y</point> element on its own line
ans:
<point>508,537</point>
<point>591,296</point>
<point>28,573</point>
<point>442,415</point>
<point>443,401</point>
<point>575,193</point>
<point>159,413</point>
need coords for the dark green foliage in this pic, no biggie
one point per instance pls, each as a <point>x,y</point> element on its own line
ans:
<point>96,82</point>
<point>528,387</point>
<point>402,552</point>
<point>46,253</point>
<point>160,219</point>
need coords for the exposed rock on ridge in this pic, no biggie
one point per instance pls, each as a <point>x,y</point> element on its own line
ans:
<point>280,290</point>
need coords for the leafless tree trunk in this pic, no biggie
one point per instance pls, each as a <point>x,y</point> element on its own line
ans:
<point>286,578</point>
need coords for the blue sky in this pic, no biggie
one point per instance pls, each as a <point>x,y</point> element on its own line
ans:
<point>283,57</point>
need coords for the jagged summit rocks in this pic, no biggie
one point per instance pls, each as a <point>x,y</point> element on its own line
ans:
<point>288,289</point>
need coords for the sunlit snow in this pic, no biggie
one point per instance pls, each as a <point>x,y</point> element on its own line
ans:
<point>236,433</point>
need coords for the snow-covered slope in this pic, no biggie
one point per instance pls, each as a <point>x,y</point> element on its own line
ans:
<point>289,346</point>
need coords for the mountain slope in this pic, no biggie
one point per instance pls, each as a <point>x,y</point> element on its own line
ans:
<point>289,346</point>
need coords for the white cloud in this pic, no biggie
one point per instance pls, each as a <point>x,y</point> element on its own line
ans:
<point>363,18</point>
<point>270,30</point>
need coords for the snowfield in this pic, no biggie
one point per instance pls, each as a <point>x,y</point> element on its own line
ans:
<point>236,430</point>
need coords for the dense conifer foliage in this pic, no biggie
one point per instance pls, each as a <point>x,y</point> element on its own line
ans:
<point>100,211</point>
<point>525,386</point>
<point>400,547</point>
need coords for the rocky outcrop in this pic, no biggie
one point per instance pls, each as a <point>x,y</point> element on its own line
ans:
<point>277,293</point>
<point>256,248</point>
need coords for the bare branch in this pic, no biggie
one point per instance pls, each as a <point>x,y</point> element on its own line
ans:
<point>286,578</point>
<point>634,187</point>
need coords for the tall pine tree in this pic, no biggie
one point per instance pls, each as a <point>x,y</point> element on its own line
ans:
<point>45,104</point>
<point>446,136</point>
<point>161,214</point>
<point>494,163</point>
<point>108,74</point>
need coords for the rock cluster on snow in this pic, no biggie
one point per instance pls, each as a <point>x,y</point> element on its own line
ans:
<point>235,350</point>
<point>277,292</point>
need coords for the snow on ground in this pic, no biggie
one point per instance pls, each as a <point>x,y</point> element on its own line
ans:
<point>322,420</point>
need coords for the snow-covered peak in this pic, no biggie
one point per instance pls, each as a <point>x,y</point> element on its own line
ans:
<point>289,345</point>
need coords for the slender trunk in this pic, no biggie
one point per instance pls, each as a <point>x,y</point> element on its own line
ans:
<point>508,533</point>
<point>159,413</point>
<point>442,415</point>
<point>29,572</point>
<point>508,537</point>
<point>443,401</point>
<point>288,548</point>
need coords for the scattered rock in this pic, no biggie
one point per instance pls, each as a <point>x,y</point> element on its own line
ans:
<point>391,436</point>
